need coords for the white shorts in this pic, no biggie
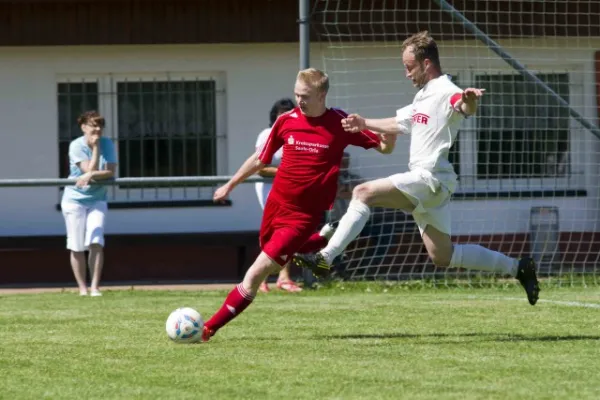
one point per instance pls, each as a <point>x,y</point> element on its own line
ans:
<point>85,224</point>
<point>430,197</point>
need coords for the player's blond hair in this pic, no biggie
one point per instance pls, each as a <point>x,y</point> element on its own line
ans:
<point>423,47</point>
<point>315,78</point>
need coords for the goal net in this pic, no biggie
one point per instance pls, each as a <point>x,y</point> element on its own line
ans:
<point>528,164</point>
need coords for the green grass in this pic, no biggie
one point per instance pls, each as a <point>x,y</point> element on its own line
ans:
<point>365,341</point>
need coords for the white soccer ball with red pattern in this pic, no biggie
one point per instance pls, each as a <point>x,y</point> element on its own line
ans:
<point>184,325</point>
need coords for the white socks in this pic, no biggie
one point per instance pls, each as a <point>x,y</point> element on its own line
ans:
<point>473,256</point>
<point>468,256</point>
<point>350,226</point>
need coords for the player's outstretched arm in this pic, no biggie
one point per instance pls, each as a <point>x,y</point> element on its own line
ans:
<point>388,126</point>
<point>467,104</point>
<point>251,166</point>
<point>355,123</point>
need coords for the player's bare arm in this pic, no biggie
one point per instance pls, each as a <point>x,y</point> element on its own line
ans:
<point>251,166</point>
<point>467,104</point>
<point>356,123</point>
<point>387,144</point>
<point>268,171</point>
<point>386,128</point>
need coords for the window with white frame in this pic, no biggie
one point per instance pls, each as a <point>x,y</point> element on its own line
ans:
<point>520,138</point>
<point>167,128</point>
<point>162,125</point>
<point>521,130</point>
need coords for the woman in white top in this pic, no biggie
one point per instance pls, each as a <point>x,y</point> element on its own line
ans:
<point>284,282</point>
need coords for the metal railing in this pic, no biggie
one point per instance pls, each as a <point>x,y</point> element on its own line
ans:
<point>151,181</point>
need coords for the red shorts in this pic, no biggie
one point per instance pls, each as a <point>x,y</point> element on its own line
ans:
<point>284,231</point>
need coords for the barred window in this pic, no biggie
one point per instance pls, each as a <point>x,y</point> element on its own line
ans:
<point>73,99</point>
<point>161,126</point>
<point>166,128</point>
<point>522,132</point>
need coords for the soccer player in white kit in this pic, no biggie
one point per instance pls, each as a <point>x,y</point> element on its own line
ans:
<point>432,120</point>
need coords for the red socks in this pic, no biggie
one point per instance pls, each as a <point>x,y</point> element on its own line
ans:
<point>237,300</point>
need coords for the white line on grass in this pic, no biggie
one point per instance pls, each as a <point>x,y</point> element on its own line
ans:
<point>558,302</point>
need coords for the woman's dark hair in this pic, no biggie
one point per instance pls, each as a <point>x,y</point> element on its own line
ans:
<point>280,106</point>
<point>91,117</point>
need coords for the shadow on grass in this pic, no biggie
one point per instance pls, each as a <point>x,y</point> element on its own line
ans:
<point>483,337</point>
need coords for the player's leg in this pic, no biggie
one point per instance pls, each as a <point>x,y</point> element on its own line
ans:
<point>262,194</point>
<point>284,280</point>
<point>376,193</point>
<point>242,295</point>
<point>318,240</point>
<point>277,249</point>
<point>74,215</point>
<point>444,253</point>
<point>475,257</point>
<point>282,233</point>
<point>315,242</point>
<point>94,241</point>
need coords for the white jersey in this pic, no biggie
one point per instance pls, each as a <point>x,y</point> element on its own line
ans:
<point>263,189</point>
<point>433,123</point>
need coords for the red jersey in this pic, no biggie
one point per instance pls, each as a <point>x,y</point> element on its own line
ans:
<point>313,147</point>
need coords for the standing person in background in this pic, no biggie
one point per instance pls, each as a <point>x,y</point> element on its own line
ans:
<point>91,158</point>
<point>284,282</point>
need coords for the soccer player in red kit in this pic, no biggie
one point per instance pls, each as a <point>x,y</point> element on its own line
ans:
<point>305,186</point>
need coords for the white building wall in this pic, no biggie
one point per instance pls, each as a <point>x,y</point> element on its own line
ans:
<point>253,77</point>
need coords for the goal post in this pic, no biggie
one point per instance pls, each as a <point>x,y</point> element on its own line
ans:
<point>516,65</point>
<point>528,163</point>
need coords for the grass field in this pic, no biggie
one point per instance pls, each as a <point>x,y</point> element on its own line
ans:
<point>344,342</point>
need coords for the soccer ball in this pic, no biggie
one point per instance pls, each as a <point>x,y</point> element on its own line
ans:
<point>184,325</point>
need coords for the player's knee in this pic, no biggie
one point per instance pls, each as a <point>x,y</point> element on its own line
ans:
<point>261,266</point>
<point>363,193</point>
